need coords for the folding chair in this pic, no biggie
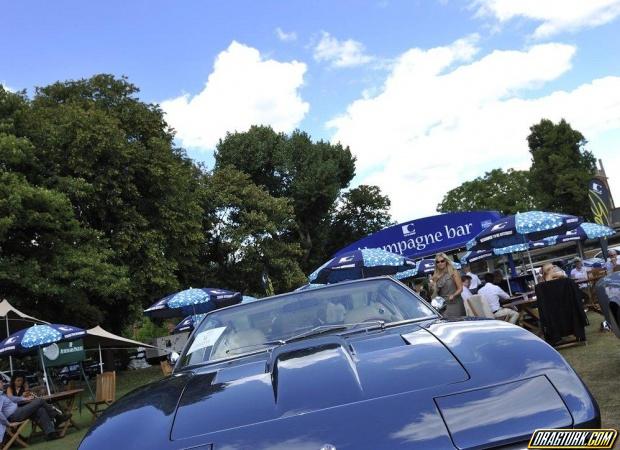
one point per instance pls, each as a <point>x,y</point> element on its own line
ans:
<point>13,431</point>
<point>475,306</point>
<point>106,394</point>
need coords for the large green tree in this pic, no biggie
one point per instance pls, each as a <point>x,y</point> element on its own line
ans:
<point>113,157</point>
<point>310,174</point>
<point>50,264</point>
<point>359,212</point>
<point>497,190</point>
<point>246,235</point>
<point>561,168</point>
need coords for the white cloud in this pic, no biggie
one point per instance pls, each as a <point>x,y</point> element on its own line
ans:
<point>7,87</point>
<point>340,54</point>
<point>556,15</point>
<point>442,118</point>
<point>243,90</point>
<point>284,36</point>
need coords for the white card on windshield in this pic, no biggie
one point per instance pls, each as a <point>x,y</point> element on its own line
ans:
<point>205,339</point>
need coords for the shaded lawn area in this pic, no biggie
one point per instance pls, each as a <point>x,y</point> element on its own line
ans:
<point>598,364</point>
<point>125,381</point>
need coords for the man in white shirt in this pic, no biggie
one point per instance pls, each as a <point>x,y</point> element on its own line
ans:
<point>491,293</point>
<point>466,293</point>
<point>475,281</point>
<point>579,274</point>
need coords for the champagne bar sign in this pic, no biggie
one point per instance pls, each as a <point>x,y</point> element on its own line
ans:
<point>429,235</point>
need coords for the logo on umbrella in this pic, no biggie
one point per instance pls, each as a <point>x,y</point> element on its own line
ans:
<point>408,229</point>
<point>345,259</point>
<point>499,226</point>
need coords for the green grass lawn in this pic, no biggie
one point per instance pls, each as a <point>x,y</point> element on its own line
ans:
<point>598,364</point>
<point>125,382</point>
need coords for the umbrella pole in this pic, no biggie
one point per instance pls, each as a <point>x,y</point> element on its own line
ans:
<point>47,385</point>
<point>7,335</point>
<point>529,256</point>
<point>100,360</point>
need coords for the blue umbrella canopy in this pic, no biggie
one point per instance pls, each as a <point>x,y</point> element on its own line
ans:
<point>585,231</point>
<point>360,264</point>
<point>477,255</point>
<point>426,266</point>
<point>38,336</point>
<point>521,228</point>
<point>189,323</point>
<point>524,247</point>
<point>193,301</point>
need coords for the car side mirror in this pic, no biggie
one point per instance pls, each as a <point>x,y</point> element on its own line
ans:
<point>173,357</point>
<point>439,304</point>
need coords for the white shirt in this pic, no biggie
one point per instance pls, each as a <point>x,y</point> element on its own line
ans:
<point>579,275</point>
<point>491,294</point>
<point>475,281</point>
<point>466,294</point>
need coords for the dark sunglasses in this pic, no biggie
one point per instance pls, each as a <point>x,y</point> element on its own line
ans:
<point>440,261</point>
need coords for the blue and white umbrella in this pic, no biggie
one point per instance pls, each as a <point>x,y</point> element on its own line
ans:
<point>189,323</point>
<point>585,231</point>
<point>477,255</point>
<point>525,247</point>
<point>193,301</point>
<point>522,228</point>
<point>37,336</point>
<point>426,266</point>
<point>358,264</point>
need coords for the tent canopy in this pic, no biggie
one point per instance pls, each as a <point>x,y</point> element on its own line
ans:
<point>14,319</point>
<point>6,309</point>
<point>98,336</point>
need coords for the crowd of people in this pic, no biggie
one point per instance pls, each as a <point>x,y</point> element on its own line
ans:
<point>457,288</point>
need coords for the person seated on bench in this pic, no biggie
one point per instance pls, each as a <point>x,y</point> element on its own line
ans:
<point>491,293</point>
<point>18,386</point>
<point>18,409</point>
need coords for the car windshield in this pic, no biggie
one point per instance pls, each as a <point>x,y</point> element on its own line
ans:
<point>261,325</point>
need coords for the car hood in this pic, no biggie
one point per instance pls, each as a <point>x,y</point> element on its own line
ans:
<point>397,382</point>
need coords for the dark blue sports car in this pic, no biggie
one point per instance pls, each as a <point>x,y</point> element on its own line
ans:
<point>358,365</point>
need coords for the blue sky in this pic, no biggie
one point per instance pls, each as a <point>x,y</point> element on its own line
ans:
<point>426,93</point>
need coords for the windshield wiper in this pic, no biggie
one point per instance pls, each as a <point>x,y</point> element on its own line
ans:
<point>406,321</point>
<point>260,344</point>
<point>351,327</point>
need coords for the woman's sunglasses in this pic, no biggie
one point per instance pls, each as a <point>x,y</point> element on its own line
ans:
<point>439,261</point>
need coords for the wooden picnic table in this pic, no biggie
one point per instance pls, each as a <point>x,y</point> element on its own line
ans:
<point>65,400</point>
<point>527,305</point>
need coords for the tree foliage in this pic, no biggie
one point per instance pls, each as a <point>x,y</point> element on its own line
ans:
<point>310,174</point>
<point>101,214</point>
<point>245,238</point>
<point>359,212</point>
<point>561,168</point>
<point>498,190</point>
<point>112,157</point>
